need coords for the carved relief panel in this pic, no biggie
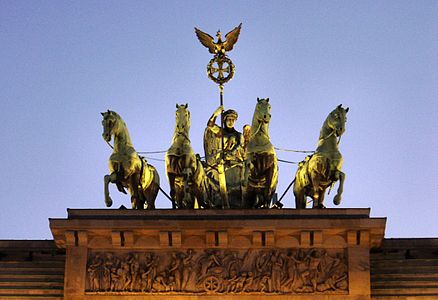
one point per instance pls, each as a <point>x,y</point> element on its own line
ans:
<point>214,271</point>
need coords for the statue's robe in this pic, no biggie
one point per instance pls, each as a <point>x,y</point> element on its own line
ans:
<point>233,161</point>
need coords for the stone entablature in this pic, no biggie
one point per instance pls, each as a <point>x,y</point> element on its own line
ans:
<point>316,240</point>
<point>198,229</point>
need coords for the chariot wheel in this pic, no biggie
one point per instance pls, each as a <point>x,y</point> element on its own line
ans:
<point>211,284</point>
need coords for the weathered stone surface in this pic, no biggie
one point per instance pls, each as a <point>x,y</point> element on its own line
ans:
<point>218,254</point>
<point>214,271</point>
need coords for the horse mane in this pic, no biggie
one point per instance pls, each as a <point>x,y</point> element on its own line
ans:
<point>123,128</point>
<point>325,129</point>
<point>254,123</point>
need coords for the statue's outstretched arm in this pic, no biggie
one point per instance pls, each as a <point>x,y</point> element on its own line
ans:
<point>212,120</point>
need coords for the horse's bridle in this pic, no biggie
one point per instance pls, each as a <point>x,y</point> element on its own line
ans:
<point>184,135</point>
<point>259,129</point>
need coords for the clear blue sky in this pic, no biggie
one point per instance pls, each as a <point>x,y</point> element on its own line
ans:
<point>63,62</point>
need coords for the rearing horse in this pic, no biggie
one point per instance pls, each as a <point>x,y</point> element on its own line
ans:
<point>261,160</point>
<point>184,170</point>
<point>127,168</point>
<point>323,168</point>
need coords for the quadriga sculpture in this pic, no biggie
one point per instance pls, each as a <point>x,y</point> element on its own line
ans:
<point>184,170</point>
<point>323,168</point>
<point>127,168</point>
<point>261,160</point>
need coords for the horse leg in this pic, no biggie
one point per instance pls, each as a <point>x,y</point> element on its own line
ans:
<point>338,197</point>
<point>201,195</point>
<point>137,200</point>
<point>107,179</point>
<point>250,198</point>
<point>316,193</point>
<point>153,190</point>
<point>171,178</point>
<point>179,195</point>
<point>201,189</point>
<point>150,194</point>
<point>321,198</point>
<point>300,196</point>
<point>315,199</point>
<point>271,185</point>
<point>318,189</point>
<point>244,183</point>
<point>188,202</point>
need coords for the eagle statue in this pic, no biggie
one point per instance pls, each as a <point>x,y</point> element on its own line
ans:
<point>220,47</point>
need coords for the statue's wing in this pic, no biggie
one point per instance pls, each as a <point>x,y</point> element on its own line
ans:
<point>206,40</point>
<point>231,38</point>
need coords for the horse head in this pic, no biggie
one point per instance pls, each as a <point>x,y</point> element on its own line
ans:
<point>182,116</point>
<point>336,120</point>
<point>110,124</point>
<point>263,110</point>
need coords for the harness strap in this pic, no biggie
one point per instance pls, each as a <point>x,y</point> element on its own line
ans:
<point>259,129</point>
<point>141,171</point>
<point>184,135</point>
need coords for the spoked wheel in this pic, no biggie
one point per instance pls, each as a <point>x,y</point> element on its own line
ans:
<point>211,284</point>
<point>220,69</point>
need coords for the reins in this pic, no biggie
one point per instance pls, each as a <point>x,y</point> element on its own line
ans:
<point>111,146</point>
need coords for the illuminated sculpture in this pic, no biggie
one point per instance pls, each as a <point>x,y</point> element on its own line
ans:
<point>127,168</point>
<point>322,169</point>
<point>184,170</point>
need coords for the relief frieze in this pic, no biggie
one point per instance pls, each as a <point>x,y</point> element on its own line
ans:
<point>214,271</point>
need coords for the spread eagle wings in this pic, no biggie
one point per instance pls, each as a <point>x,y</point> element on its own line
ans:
<point>208,41</point>
<point>231,38</point>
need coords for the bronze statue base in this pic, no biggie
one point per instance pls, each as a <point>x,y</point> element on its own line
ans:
<point>218,254</point>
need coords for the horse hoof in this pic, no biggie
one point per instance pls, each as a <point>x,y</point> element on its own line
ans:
<point>108,202</point>
<point>337,200</point>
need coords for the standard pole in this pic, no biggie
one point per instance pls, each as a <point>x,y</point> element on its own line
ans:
<point>221,167</point>
<point>221,93</point>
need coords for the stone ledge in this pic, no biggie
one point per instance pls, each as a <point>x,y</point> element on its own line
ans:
<point>279,227</point>
<point>197,214</point>
<point>27,244</point>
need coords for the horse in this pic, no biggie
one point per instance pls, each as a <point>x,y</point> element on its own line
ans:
<point>184,169</point>
<point>127,168</point>
<point>323,168</point>
<point>261,172</point>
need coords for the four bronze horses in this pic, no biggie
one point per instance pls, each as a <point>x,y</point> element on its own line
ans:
<point>323,168</point>
<point>188,182</point>
<point>127,168</point>
<point>184,169</point>
<point>261,160</point>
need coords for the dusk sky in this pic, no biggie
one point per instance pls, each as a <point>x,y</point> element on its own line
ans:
<point>64,62</point>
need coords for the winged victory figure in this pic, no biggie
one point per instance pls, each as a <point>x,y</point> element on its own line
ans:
<point>220,47</point>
